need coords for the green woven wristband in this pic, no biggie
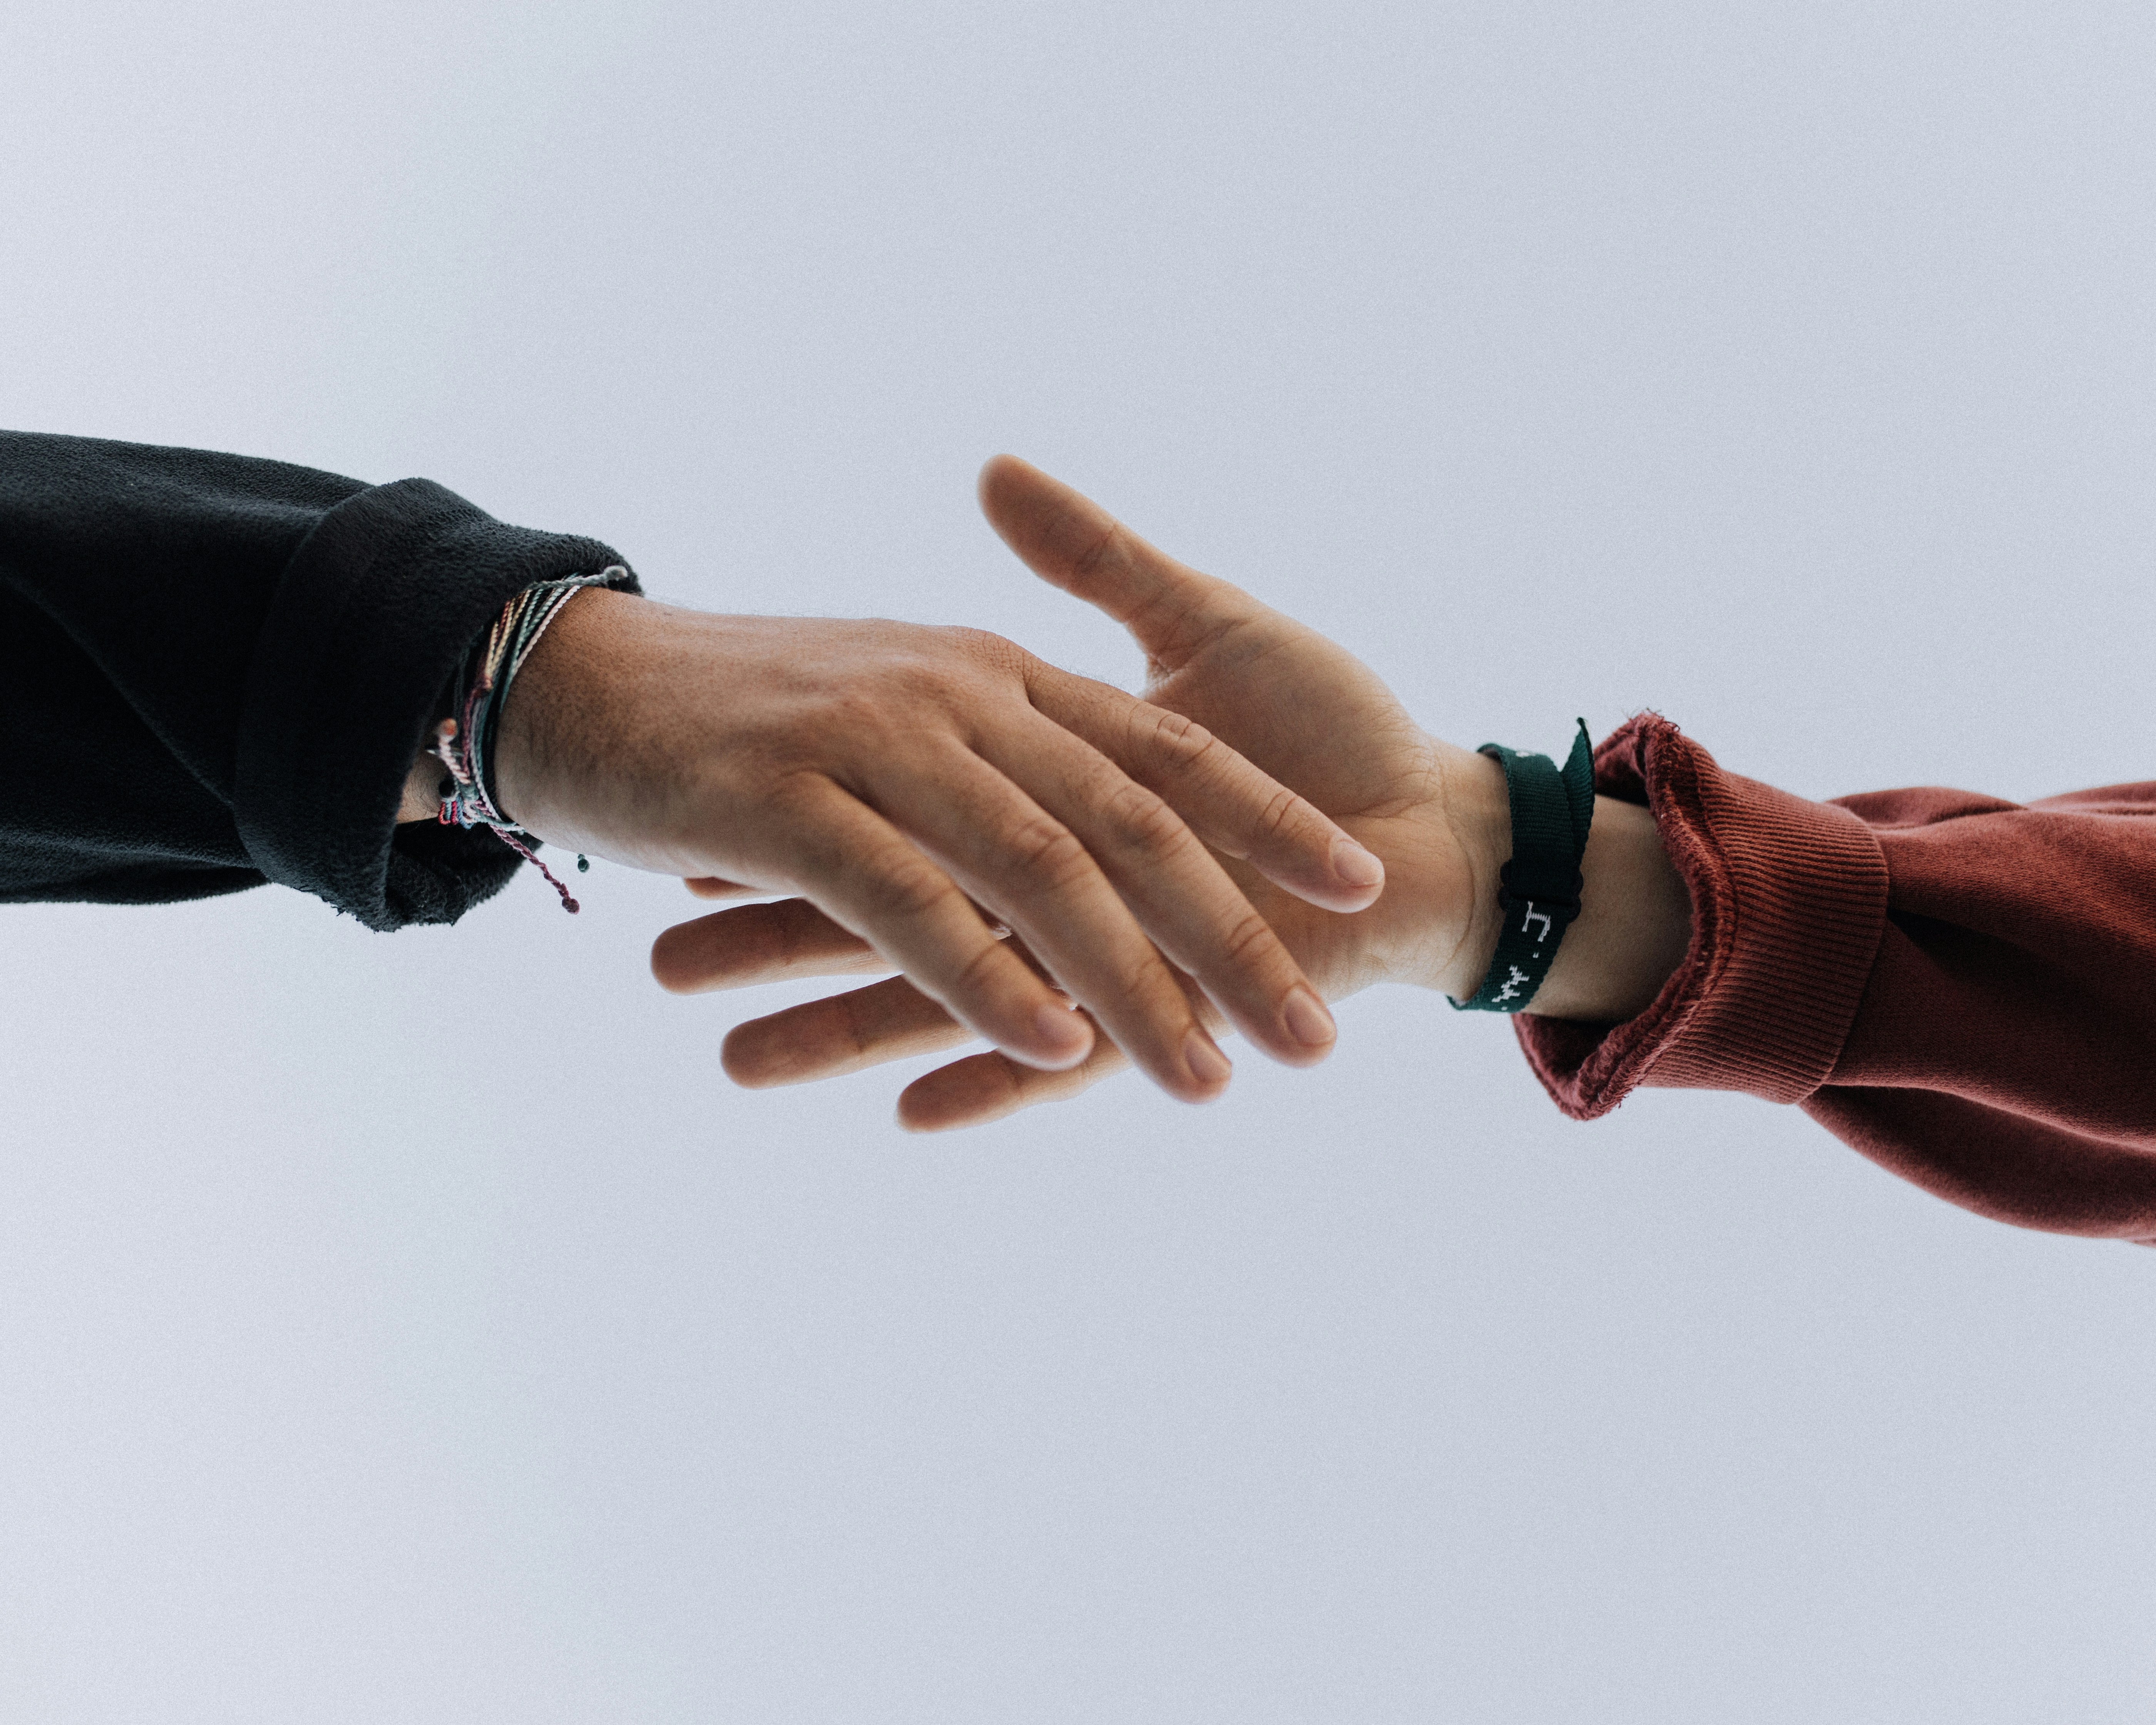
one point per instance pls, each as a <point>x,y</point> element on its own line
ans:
<point>1538,890</point>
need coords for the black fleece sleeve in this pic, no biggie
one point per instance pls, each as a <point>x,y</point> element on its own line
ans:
<point>216,670</point>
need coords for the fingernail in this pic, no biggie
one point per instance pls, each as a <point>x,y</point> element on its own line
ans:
<point>1207,1063</point>
<point>1355,866</point>
<point>1062,1029</point>
<point>1307,1020</point>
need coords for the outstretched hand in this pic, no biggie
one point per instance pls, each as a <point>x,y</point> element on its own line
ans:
<point>1292,703</point>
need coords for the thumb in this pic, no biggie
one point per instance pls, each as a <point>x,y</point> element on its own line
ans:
<point>1071,542</point>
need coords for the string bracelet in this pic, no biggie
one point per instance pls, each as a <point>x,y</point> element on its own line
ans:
<point>464,742</point>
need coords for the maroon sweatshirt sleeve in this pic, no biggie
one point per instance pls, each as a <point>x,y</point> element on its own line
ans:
<point>1962,988</point>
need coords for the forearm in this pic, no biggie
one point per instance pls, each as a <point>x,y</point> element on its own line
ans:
<point>134,583</point>
<point>1634,925</point>
<point>1962,988</point>
<point>217,670</point>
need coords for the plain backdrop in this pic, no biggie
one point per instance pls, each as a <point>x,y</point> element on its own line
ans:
<point>420,1328</point>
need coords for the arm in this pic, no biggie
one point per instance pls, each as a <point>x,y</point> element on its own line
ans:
<point>216,671</point>
<point>221,671</point>
<point>1961,988</point>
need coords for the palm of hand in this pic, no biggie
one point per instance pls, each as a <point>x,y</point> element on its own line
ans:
<point>1317,718</point>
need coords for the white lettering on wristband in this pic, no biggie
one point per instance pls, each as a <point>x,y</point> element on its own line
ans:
<point>1512,982</point>
<point>1535,916</point>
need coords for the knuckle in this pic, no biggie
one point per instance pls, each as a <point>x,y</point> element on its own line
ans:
<point>1181,740</point>
<point>978,972</point>
<point>852,1028</point>
<point>958,685</point>
<point>1147,821</point>
<point>1249,939</point>
<point>905,892</point>
<point>1096,556</point>
<point>1282,816</point>
<point>1049,850</point>
<point>1143,979</point>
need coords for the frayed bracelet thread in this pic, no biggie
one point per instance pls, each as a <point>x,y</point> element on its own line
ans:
<point>464,743</point>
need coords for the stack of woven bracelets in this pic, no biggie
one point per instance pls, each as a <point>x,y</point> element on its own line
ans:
<point>1538,890</point>
<point>464,742</point>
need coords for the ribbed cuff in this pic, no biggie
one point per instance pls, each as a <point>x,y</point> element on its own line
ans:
<point>1789,901</point>
<point>372,613</point>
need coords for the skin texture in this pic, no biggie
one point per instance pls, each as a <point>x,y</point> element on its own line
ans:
<point>1306,712</point>
<point>925,791</point>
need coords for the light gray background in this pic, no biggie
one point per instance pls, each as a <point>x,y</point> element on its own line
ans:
<point>420,1328</point>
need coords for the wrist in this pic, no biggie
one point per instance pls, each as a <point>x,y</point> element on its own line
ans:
<point>1635,923</point>
<point>423,790</point>
<point>1440,904</point>
<point>551,703</point>
<point>1479,812</point>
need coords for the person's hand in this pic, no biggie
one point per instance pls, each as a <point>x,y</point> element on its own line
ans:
<point>914,785</point>
<point>1290,700</point>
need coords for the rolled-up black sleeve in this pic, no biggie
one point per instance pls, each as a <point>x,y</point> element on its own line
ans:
<point>216,671</point>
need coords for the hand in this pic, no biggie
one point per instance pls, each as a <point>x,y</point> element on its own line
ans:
<point>904,780</point>
<point>1290,700</point>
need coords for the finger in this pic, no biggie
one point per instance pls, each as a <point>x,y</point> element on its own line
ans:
<point>837,1035</point>
<point>844,1034</point>
<point>1034,871</point>
<point>711,886</point>
<point>1069,541</point>
<point>986,1086</point>
<point>865,1027</point>
<point>1233,807</point>
<point>869,880</point>
<point>1180,895</point>
<point>758,943</point>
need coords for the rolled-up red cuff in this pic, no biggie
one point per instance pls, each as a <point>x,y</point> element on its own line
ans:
<point>1789,901</point>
